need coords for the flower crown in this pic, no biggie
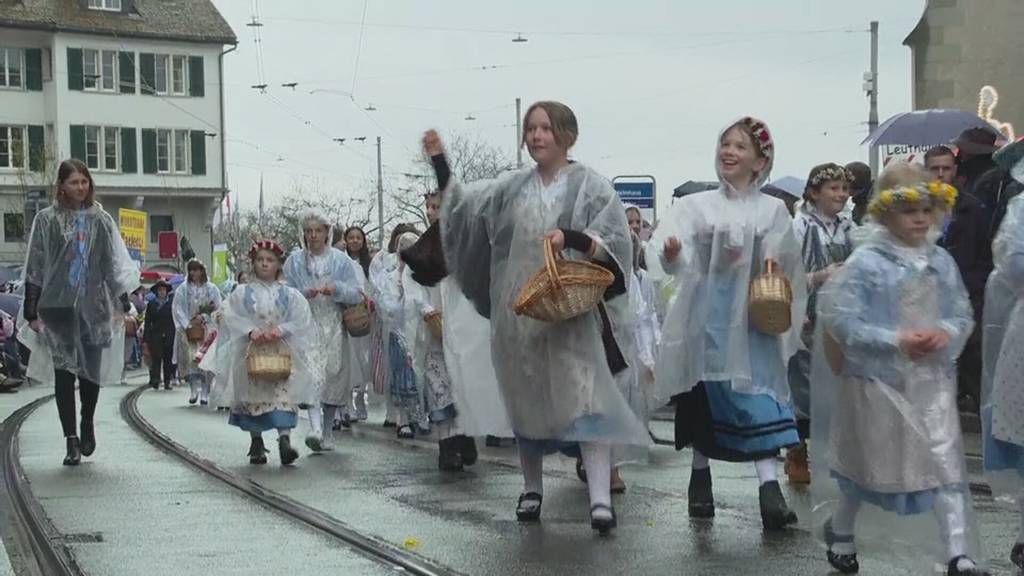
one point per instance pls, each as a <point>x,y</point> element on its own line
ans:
<point>266,245</point>
<point>939,193</point>
<point>762,137</point>
<point>830,174</point>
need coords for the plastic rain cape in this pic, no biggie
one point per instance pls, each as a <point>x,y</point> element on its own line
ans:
<point>188,302</point>
<point>554,377</point>
<point>886,424</point>
<point>357,365</point>
<point>726,236</point>
<point>263,306</point>
<point>82,265</point>
<point>1003,341</point>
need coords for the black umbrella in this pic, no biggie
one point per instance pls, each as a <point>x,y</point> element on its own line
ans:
<point>691,187</point>
<point>10,303</point>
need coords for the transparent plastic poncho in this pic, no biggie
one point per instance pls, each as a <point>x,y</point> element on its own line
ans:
<point>80,262</point>
<point>885,428</point>
<point>554,377</point>
<point>192,300</point>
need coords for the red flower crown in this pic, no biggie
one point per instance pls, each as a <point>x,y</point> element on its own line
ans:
<point>266,245</point>
<point>762,137</point>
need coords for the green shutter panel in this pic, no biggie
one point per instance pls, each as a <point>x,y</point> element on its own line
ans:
<point>78,142</point>
<point>198,152</point>
<point>126,68</point>
<point>75,79</point>
<point>36,149</point>
<point>196,81</point>
<point>129,165</point>
<point>149,151</point>
<point>147,73</point>
<point>34,69</point>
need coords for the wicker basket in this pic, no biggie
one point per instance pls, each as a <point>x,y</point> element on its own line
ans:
<point>435,322</point>
<point>268,362</point>
<point>833,353</point>
<point>195,333</point>
<point>356,320</point>
<point>563,290</point>
<point>771,301</point>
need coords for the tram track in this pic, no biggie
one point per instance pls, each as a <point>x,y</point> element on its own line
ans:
<point>374,548</point>
<point>41,545</point>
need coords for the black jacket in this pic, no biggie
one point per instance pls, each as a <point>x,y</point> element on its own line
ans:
<point>159,327</point>
<point>968,239</point>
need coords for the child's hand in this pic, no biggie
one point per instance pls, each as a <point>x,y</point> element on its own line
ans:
<point>327,290</point>
<point>557,238</point>
<point>912,343</point>
<point>273,335</point>
<point>312,292</point>
<point>256,336</point>
<point>672,248</point>
<point>935,340</point>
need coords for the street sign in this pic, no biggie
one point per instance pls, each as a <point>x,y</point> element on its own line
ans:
<point>134,227</point>
<point>639,191</point>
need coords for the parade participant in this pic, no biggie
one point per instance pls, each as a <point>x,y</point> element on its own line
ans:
<point>824,236</point>
<point>1003,376</point>
<point>193,305</point>
<point>159,335</point>
<point>328,279</point>
<point>358,250</point>
<point>727,378</point>
<point>77,276</point>
<point>860,190</point>
<point>260,316</point>
<point>891,324</point>
<point>558,379</point>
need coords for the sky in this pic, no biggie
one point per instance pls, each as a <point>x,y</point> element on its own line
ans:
<point>652,82</point>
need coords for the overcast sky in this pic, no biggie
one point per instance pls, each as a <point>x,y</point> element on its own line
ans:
<point>651,82</point>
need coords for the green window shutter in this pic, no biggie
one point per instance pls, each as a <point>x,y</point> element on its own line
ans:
<point>126,68</point>
<point>129,165</point>
<point>196,80</point>
<point>75,79</point>
<point>78,142</point>
<point>34,69</point>
<point>149,151</point>
<point>36,149</point>
<point>198,152</point>
<point>147,73</point>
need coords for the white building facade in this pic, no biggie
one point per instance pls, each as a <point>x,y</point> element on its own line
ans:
<point>134,89</point>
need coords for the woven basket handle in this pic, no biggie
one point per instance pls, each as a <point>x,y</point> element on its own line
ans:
<point>549,263</point>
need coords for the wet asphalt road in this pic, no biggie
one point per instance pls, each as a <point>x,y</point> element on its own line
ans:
<point>131,509</point>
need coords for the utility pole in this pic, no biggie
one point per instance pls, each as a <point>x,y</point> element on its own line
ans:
<point>873,96</point>
<point>380,198</point>
<point>519,133</point>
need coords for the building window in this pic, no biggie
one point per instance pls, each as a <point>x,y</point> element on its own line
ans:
<point>102,148</point>
<point>159,223</point>
<point>172,148</point>
<point>14,227</point>
<point>12,147</point>
<point>162,69</point>
<point>111,5</point>
<point>111,149</point>
<point>12,68</point>
<point>179,68</point>
<point>99,70</point>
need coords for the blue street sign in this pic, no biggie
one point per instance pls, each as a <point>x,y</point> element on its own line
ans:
<point>639,194</point>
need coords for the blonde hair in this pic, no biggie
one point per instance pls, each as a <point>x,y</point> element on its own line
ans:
<point>901,174</point>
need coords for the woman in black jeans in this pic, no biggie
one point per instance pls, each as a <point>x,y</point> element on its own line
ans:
<point>77,278</point>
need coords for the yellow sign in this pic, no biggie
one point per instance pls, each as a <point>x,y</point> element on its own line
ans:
<point>133,225</point>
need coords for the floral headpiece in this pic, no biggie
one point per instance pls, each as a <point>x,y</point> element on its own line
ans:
<point>266,245</point>
<point>939,193</point>
<point>831,174</point>
<point>762,137</point>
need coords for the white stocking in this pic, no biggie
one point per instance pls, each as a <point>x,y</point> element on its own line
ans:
<point>700,461</point>
<point>597,461</point>
<point>951,512</point>
<point>315,420</point>
<point>532,463</point>
<point>766,470</point>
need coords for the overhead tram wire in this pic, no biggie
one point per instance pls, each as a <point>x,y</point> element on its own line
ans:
<point>359,49</point>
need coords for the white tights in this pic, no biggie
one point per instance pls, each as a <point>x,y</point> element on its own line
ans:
<point>596,461</point>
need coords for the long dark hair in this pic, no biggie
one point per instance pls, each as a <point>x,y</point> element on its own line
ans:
<point>196,265</point>
<point>364,252</point>
<point>67,168</point>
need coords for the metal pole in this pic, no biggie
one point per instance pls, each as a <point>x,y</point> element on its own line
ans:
<point>873,113</point>
<point>519,133</point>
<point>380,198</point>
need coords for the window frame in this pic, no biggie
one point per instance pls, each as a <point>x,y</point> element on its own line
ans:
<point>7,135</point>
<point>172,87</point>
<point>93,77</point>
<point>154,232</point>
<point>178,162</point>
<point>106,5</point>
<point>101,142</point>
<point>5,68</point>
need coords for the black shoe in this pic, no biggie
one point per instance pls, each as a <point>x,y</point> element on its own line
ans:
<point>257,451</point>
<point>346,421</point>
<point>954,571</point>
<point>603,525</point>
<point>701,498</point>
<point>167,385</point>
<point>448,458</point>
<point>336,425</point>
<point>88,438</point>
<point>389,424</point>
<point>1017,555</point>
<point>467,449</point>
<point>204,402</point>
<point>843,563</point>
<point>405,432</point>
<point>285,450</point>
<point>155,385</point>
<point>499,442</point>
<point>528,509</point>
<point>74,455</point>
<point>581,472</point>
<point>775,514</point>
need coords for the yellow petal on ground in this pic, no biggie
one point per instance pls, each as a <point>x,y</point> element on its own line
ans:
<point>411,543</point>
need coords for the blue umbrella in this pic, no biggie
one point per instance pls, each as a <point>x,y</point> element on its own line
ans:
<point>789,185</point>
<point>925,127</point>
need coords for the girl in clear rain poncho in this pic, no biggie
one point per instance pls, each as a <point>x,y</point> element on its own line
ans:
<point>727,378</point>
<point>193,305</point>
<point>885,423</point>
<point>558,380</point>
<point>328,279</point>
<point>77,278</point>
<point>1003,340</point>
<point>261,316</point>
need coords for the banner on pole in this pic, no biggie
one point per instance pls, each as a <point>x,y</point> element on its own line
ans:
<point>134,226</point>
<point>220,273</point>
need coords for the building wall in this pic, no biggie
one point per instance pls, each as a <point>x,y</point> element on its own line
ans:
<point>191,217</point>
<point>962,45</point>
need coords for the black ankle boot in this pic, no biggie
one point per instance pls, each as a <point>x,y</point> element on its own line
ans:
<point>257,451</point>
<point>74,455</point>
<point>1017,555</point>
<point>976,570</point>
<point>88,438</point>
<point>775,514</point>
<point>285,450</point>
<point>701,498</point>
<point>448,458</point>
<point>467,449</point>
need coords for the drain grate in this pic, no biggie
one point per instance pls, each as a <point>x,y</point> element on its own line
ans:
<point>84,538</point>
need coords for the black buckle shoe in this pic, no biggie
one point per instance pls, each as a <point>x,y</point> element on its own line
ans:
<point>843,563</point>
<point>285,450</point>
<point>448,458</point>
<point>701,498</point>
<point>405,432</point>
<point>467,449</point>
<point>775,514</point>
<point>74,455</point>
<point>155,385</point>
<point>257,451</point>
<point>603,525</point>
<point>976,570</point>
<point>1017,555</point>
<point>528,509</point>
<point>88,438</point>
